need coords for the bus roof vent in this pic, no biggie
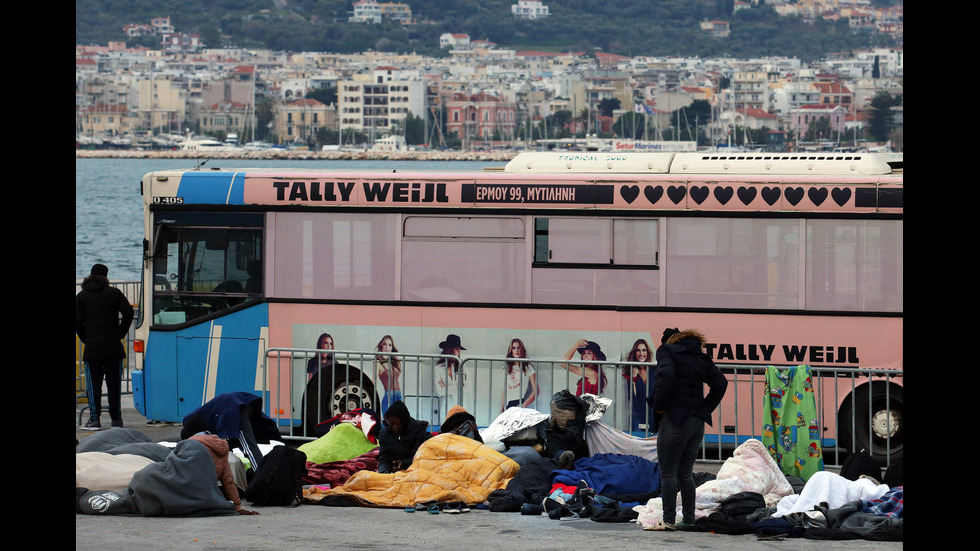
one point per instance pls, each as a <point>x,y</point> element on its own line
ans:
<point>800,164</point>
<point>590,162</point>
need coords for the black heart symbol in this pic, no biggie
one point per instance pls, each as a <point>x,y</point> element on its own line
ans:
<point>746,194</point>
<point>794,195</point>
<point>630,193</point>
<point>653,193</point>
<point>676,193</point>
<point>723,194</point>
<point>771,195</point>
<point>841,195</point>
<point>817,195</point>
<point>699,193</point>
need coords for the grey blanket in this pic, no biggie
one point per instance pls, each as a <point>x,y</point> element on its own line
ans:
<point>119,440</point>
<point>184,484</point>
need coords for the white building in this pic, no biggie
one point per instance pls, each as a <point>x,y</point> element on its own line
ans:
<point>793,94</point>
<point>454,41</point>
<point>529,9</point>
<point>380,105</point>
<point>366,11</point>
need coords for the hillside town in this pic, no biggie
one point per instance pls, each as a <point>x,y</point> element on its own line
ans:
<point>478,96</point>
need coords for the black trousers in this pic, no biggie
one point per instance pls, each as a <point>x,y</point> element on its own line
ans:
<point>109,371</point>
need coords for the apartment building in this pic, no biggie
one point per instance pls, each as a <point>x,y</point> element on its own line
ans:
<point>372,11</point>
<point>787,96</point>
<point>366,11</point>
<point>397,11</point>
<point>751,90</point>
<point>380,105</point>
<point>163,101</point>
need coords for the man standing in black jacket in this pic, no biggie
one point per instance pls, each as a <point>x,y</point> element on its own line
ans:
<point>102,318</point>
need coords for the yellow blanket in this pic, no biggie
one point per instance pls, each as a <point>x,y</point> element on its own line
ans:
<point>447,467</point>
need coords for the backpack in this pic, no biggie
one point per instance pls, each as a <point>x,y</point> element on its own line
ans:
<point>860,463</point>
<point>894,475</point>
<point>279,479</point>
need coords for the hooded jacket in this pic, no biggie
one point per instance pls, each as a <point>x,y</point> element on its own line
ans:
<point>218,449</point>
<point>402,446</point>
<point>682,371</point>
<point>102,318</point>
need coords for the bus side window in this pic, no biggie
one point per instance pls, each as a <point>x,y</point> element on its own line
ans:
<point>596,242</point>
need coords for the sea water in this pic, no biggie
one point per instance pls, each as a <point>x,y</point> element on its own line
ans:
<point>109,207</point>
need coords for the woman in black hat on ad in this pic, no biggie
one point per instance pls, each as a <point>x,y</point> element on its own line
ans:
<point>447,370</point>
<point>593,380</point>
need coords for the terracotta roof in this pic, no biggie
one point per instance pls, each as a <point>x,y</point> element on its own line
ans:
<point>757,113</point>
<point>305,102</point>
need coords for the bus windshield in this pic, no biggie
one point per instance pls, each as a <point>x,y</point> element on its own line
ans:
<point>199,271</point>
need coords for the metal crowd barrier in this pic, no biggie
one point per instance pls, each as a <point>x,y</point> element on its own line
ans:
<point>348,380</point>
<point>353,381</point>
<point>132,291</point>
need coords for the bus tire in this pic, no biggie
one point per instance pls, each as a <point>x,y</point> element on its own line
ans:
<point>879,423</point>
<point>342,390</point>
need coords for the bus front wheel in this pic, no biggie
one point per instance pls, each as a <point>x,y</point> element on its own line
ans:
<point>873,419</point>
<point>329,394</point>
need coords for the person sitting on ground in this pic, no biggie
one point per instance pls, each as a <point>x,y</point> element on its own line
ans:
<point>399,439</point>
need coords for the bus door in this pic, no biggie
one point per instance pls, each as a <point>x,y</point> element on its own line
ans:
<point>208,334</point>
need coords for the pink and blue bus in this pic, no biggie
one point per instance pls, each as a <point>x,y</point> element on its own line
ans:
<point>779,259</point>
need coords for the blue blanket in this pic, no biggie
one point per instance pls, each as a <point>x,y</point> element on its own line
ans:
<point>611,473</point>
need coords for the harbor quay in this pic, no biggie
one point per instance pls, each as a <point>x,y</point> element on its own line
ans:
<point>294,155</point>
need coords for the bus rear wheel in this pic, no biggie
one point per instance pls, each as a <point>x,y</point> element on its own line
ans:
<point>342,390</point>
<point>878,424</point>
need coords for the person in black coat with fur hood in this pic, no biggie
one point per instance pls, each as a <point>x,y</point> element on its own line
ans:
<point>102,318</point>
<point>681,410</point>
<point>399,439</point>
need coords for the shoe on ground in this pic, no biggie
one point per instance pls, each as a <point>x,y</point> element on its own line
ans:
<point>452,507</point>
<point>661,525</point>
<point>92,424</point>
<point>117,423</point>
<point>684,526</point>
